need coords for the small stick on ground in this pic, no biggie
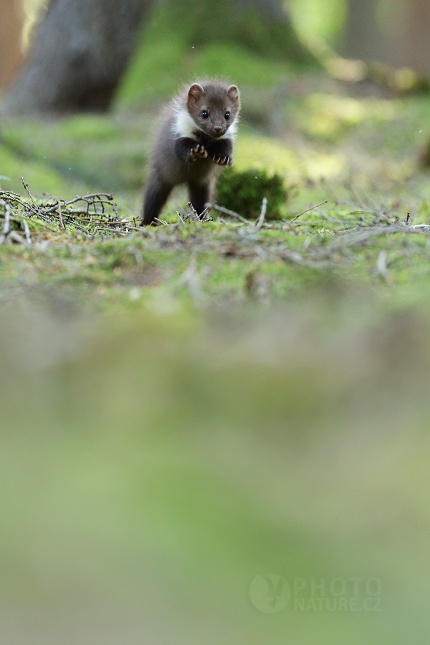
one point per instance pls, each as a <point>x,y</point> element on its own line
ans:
<point>204,216</point>
<point>14,236</point>
<point>226,211</point>
<point>193,213</point>
<point>6,227</point>
<point>63,228</point>
<point>381,264</point>
<point>24,183</point>
<point>307,210</point>
<point>259,223</point>
<point>160,221</point>
<point>27,232</point>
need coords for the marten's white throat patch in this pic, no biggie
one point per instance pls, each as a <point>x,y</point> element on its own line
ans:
<point>185,127</point>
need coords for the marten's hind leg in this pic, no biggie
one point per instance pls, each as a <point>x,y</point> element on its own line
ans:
<point>199,195</point>
<point>156,196</point>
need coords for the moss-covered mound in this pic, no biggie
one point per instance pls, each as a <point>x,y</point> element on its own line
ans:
<point>243,192</point>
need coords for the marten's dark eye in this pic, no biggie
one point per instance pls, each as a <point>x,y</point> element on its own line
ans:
<point>227,116</point>
<point>205,114</point>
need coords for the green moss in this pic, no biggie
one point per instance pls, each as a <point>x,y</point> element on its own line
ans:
<point>40,177</point>
<point>175,65</point>
<point>222,21</point>
<point>91,152</point>
<point>154,74</point>
<point>88,126</point>
<point>316,19</point>
<point>264,153</point>
<point>243,192</point>
<point>234,62</point>
<point>329,117</point>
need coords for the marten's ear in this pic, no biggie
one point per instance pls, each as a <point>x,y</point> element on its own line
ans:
<point>233,94</point>
<point>195,92</point>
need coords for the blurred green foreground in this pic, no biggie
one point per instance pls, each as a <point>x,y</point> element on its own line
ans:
<point>153,466</point>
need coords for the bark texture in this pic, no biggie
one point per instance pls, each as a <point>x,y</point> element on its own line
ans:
<point>79,54</point>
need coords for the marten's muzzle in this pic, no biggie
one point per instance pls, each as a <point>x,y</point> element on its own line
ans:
<point>217,131</point>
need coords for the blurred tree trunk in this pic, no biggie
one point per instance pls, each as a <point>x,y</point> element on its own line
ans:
<point>417,41</point>
<point>10,40</point>
<point>395,32</point>
<point>79,54</point>
<point>362,36</point>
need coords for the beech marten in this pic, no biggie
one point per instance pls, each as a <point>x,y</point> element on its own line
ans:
<point>195,134</point>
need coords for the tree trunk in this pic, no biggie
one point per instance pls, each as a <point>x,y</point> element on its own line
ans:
<point>10,40</point>
<point>362,36</point>
<point>80,52</point>
<point>396,33</point>
<point>417,36</point>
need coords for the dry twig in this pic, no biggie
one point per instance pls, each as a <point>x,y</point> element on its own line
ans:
<point>307,210</point>
<point>260,220</point>
<point>226,211</point>
<point>6,227</point>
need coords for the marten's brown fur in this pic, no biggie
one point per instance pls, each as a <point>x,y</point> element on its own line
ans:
<point>195,135</point>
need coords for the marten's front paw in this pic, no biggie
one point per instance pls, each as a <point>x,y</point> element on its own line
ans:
<point>223,161</point>
<point>198,152</point>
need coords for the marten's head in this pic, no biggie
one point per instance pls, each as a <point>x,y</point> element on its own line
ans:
<point>214,107</point>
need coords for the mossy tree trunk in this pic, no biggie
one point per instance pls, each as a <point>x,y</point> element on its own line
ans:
<point>260,25</point>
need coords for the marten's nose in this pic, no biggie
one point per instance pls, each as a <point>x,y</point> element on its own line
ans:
<point>217,129</point>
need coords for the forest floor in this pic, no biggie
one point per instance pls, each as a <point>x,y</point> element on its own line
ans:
<point>188,406</point>
<point>357,154</point>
